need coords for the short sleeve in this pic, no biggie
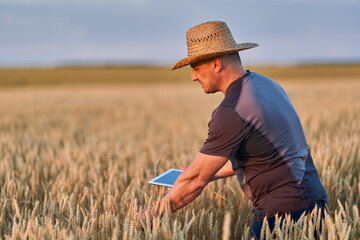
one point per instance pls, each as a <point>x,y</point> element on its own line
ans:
<point>224,132</point>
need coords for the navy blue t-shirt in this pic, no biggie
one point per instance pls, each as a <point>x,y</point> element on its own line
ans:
<point>258,129</point>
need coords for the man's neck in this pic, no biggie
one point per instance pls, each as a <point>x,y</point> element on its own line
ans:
<point>230,75</point>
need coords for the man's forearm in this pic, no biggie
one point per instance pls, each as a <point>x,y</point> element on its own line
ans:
<point>224,172</point>
<point>186,190</point>
<point>183,193</point>
<point>193,180</point>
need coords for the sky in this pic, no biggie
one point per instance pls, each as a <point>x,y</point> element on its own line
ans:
<point>63,32</point>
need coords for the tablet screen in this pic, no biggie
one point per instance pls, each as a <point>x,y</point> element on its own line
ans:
<point>168,178</point>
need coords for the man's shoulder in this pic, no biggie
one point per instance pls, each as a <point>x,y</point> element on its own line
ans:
<point>234,91</point>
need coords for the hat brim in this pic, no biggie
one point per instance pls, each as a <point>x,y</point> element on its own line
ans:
<point>198,58</point>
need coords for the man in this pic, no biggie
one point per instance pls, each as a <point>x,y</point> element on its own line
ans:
<point>255,133</point>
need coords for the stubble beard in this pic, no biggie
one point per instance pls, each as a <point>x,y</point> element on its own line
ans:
<point>209,89</point>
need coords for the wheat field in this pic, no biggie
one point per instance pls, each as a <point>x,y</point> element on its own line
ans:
<point>75,159</point>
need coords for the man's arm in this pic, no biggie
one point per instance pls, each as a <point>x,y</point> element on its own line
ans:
<point>193,180</point>
<point>224,172</point>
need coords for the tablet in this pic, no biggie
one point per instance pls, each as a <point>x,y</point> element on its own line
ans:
<point>167,179</point>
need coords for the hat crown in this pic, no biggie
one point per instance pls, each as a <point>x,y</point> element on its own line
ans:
<point>208,40</point>
<point>209,37</point>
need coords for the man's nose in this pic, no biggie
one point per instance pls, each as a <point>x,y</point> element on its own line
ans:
<point>194,76</point>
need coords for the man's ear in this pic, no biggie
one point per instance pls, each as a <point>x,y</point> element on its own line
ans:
<point>217,64</point>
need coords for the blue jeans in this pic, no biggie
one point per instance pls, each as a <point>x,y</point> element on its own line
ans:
<point>257,225</point>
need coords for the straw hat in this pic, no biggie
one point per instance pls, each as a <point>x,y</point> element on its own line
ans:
<point>208,40</point>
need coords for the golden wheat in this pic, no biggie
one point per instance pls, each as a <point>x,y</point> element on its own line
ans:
<point>74,162</point>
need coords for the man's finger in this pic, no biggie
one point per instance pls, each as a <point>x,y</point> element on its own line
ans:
<point>182,168</point>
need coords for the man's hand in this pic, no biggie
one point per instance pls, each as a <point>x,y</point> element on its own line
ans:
<point>146,218</point>
<point>193,180</point>
<point>143,214</point>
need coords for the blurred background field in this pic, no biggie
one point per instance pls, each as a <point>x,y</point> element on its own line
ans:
<point>78,145</point>
<point>134,75</point>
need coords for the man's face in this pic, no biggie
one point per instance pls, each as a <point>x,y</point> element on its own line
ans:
<point>204,73</point>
